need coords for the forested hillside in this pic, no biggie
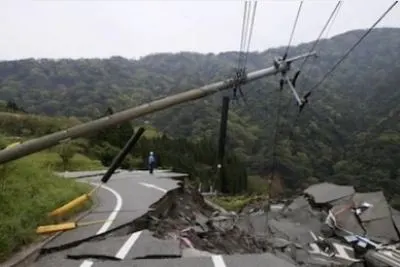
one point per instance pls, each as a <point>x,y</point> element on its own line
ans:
<point>349,132</point>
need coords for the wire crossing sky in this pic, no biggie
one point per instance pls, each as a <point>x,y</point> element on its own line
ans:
<point>132,29</point>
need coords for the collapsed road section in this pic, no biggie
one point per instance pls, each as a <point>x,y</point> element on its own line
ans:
<point>328,225</point>
<point>331,225</point>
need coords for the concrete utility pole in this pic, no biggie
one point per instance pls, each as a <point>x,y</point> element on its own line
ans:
<point>50,140</point>
<point>221,145</point>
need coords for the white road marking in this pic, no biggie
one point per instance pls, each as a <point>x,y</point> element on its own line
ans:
<point>126,247</point>
<point>86,263</point>
<point>313,236</point>
<point>218,261</point>
<point>114,213</point>
<point>107,224</point>
<point>153,186</point>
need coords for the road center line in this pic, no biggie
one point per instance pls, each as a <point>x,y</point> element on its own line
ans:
<point>218,261</point>
<point>112,216</point>
<point>153,186</point>
<point>126,247</point>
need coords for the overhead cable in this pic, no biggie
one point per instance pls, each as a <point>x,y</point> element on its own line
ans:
<point>253,15</point>
<point>242,40</point>
<point>352,48</point>
<point>293,30</point>
<point>331,17</point>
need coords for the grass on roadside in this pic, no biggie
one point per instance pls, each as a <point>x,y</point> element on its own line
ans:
<point>79,162</point>
<point>257,190</point>
<point>28,191</point>
<point>234,203</point>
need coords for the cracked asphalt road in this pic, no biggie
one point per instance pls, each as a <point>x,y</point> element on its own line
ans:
<point>126,197</point>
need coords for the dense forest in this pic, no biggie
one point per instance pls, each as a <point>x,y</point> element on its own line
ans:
<point>348,133</point>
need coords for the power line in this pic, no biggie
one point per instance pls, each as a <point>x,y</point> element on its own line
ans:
<point>275,138</point>
<point>333,20</point>
<point>247,31</point>
<point>335,11</point>
<point>329,22</point>
<point>293,29</point>
<point>352,48</point>
<point>242,34</point>
<point>274,144</point>
<point>279,110</point>
<point>251,32</point>
<point>288,46</point>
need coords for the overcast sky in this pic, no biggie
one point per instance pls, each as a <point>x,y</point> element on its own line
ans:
<point>59,29</point>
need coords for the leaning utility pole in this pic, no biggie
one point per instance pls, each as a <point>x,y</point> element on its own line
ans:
<point>35,145</point>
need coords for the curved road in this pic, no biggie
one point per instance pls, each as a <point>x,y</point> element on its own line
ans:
<point>126,197</point>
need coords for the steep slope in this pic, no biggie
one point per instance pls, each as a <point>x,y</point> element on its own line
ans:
<point>351,108</point>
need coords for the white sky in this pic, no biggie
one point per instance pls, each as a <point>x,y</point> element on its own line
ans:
<point>74,29</point>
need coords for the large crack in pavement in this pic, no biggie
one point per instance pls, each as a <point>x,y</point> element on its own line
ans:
<point>140,222</point>
<point>181,216</point>
<point>181,225</point>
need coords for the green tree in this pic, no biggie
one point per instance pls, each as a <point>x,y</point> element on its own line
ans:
<point>66,152</point>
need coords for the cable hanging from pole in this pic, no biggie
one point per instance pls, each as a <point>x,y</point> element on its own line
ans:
<point>329,23</point>
<point>242,40</point>
<point>352,48</point>
<point>293,30</point>
<point>246,34</point>
<point>282,82</point>
<point>271,174</point>
<point>284,79</point>
<point>334,14</point>
<point>333,20</point>
<point>251,32</point>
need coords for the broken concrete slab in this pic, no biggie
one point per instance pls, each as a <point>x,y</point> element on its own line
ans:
<point>256,260</point>
<point>369,214</point>
<point>104,248</point>
<point>379,206</point>
<point>279,243</point>
<point>381,230</point>
<point>254,224</point>
<point>297,203</point>
<point>346,219</point>
<point>300,211</point>
<point>294,232</point>
<point>326,192</point>
<point>382,258</point>
<point>396,218</point>
<point>192,252</point>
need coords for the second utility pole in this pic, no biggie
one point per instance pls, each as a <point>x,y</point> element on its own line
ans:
<point>221,145</point>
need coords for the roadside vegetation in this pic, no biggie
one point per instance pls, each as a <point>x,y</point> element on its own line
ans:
<point>235,203</point>
<point>257,189</point>
<point>29,189</point>
<point>28,192</point>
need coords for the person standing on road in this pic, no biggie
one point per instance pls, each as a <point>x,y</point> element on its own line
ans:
<point>151,162</point>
